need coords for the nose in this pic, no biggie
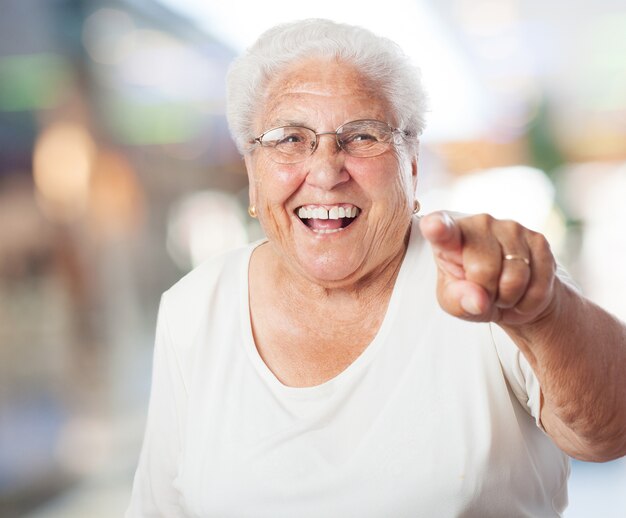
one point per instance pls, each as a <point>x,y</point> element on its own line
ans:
<point>326,166</point>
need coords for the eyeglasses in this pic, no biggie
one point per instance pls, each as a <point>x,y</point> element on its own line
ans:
<point>360,138</point>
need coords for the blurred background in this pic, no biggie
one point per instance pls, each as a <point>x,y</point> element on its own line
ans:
<point>118,175</point>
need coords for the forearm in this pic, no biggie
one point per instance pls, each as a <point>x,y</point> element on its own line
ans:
<point>498,271</point>
<point>578,352</point>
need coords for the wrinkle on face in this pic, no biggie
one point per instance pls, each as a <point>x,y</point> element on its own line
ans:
<point>323,96</point>
<point>324,81</point>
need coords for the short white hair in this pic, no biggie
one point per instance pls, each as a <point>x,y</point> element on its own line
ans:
<point>379,59</point>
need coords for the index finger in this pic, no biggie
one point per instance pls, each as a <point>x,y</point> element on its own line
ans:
<point>446,239</point>
<point>442,231</point>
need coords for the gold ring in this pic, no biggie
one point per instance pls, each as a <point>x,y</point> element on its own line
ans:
<point>515,257</point>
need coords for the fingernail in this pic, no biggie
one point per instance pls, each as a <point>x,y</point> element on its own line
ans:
<point>470,306</point>
<point>446,218</point>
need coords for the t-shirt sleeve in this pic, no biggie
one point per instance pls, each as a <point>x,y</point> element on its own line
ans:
<point>154,494</point>
<point>518,372</point>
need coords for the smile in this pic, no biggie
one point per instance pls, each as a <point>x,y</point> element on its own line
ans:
<point>328,219</point>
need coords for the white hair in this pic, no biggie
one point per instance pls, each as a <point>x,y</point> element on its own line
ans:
<point>379,59</point>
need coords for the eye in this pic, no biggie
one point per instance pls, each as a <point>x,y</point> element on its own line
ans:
<point>359,139</point>
<point>293,138</point>
<point>363,134</point>
<point>362,137</point>
<point>287,137</point>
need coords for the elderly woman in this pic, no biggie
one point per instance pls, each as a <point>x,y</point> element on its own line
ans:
<point>362,361</point>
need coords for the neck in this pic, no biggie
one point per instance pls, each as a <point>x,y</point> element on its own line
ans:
<point>294,287</point>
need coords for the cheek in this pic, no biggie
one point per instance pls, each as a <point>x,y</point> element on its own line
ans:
<point>275,183</point>
<point>404,180</point>
<point>286,178</point>
<point>392,182</point>
<point>276,187</point>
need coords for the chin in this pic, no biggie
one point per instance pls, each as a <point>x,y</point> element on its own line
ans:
<point>329,269</point>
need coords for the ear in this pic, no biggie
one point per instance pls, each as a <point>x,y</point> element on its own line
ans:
<point>251,179</point>
<point>414,172</point>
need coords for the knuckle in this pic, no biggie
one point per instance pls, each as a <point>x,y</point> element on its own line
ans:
<point>512,228</point>
<point>512,284</point>
<point>477,222</point>
<point>480,271</point>
<point>539,292</point>
<point>539,243</point>
<point>484,220</point>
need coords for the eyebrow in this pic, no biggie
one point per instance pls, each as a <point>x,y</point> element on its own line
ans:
<point>287,122</point>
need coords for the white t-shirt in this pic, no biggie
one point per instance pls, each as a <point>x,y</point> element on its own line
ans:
<point>438,417</point>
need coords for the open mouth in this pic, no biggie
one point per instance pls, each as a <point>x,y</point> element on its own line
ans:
<point>328,219</point>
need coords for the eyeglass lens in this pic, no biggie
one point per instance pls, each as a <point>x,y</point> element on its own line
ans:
<point>290,144</point>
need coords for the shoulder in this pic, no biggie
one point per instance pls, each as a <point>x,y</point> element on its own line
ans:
<point>195,284</point>
<point>186,305</point>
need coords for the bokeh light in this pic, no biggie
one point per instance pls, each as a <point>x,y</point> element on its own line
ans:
<point>108,36</point>
<point>33,81</point>
<point>62,164</point>
<point>203,225</point>
<point>116,200</point>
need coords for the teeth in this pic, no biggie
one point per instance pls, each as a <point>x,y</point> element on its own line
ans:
<point>323,213</point>
<point>327,231</point>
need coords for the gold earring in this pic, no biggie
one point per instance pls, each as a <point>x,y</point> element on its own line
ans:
<point>252,211</point>
<point>416,206</point>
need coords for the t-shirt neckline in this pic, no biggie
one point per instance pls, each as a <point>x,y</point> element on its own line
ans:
<point>360,363</point>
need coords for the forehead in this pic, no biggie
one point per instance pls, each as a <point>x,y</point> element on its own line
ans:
<point>316,91</point>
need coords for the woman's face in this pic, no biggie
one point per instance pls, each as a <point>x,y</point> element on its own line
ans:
<point>323,95</point>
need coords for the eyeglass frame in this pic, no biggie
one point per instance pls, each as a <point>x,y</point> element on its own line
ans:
<point>405,134</point>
